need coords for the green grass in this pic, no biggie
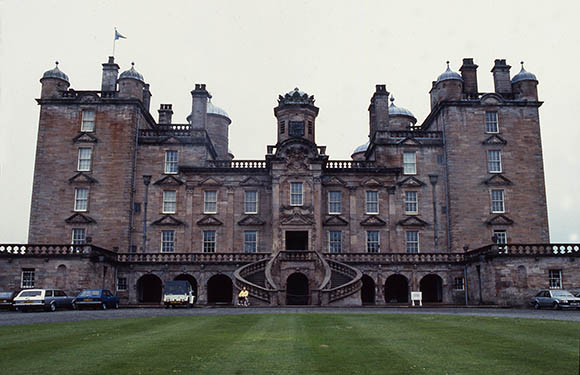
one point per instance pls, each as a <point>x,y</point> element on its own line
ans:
<point>293,344</point>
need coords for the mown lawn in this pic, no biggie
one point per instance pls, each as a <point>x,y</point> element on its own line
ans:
<point>293,344</point>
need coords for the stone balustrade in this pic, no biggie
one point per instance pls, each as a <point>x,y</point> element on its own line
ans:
<point>392,258</point>
<point>190,257</point>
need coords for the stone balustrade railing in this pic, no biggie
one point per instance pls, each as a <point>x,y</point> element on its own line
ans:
<point>349,164</point>
<point>73,94</point>
<point>238,164</point>
<point>297,255</point>
<point>535,250</point>
<point>256,291</point>
<point>389,258</point>
<point>191,257</point>
<point>48,250</point>
<point>342,291</point>
<point>418,134</point>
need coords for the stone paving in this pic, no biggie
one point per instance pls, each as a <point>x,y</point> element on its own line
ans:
<point>19,318</point>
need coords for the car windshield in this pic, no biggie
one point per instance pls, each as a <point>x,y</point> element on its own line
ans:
<point>90,293</point>
<point>175,289</point>
<point>31,293</point>
<point>5,294</point>
<point>562,293</point>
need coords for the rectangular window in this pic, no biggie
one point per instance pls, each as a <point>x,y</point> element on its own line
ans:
<point>459,283</point>
<point>411,206</point>
<point>167,241</point>
<point>296,198</point>
<point>210,202</point>
<point>335,241</point>
<point>491,122</point>
<point>79,236</point>
<point>88,122</point>
<point>372,202</point>
<point>171,162</point>
<point>84,161</point>
<point>409,163</point>
<point>169,202</point>
<point>494,161</point>
<point>334,202</point>
<point>27,280</point>
<point>373,245</point>
<point>250,241</point>
<point>121,283</point>
<point>296,128</point>
<point>412,242</point>
<point>251,202</point>
<point>497,201</point>
<point>500,237</point>
<point>81,199</point>
<point>555,279</point>
<point>209,241</point>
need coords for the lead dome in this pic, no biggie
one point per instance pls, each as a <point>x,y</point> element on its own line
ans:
<point>215,110</point>
<point>132,74</point>
<point>56,73</point>
<point>399,111</point>
<point>448,74</point>
<point>524,75</point>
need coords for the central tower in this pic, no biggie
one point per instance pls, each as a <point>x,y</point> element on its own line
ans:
<point>296,114</point>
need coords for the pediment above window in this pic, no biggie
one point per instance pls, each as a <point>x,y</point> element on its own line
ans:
<point>498,180</point>
<point>371,182</point>
<point>251,220</point>
<point>333,181</point>
<point>209,221</point>
<point>500,220</point>
<point>171,140</point>
<point>373,221</point>
<point>412,221</point>
<point>409,142</point>
<point>411,182</point>
<point>79,218</point>
<point>491,99</point>
<point>85,138</point>
<point>210,181</point>
<point>335,221</point>
<point>168,220</point>
<point>82,178</point>
<point>251,181</point>
<point>494,140</point>
<point>169,180</point>
<point>296,219</point>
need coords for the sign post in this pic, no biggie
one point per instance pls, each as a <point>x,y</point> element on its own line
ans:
<point>417,296</point>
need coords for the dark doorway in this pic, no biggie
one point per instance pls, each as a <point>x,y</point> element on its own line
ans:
<point>192,281</point>
<point>397,289</point>
<point>219,290</point>
<point>296,240</point>
<point>297,289</point>
<point>368,290</point>
<point>149,289</point>
<point>432,288</point>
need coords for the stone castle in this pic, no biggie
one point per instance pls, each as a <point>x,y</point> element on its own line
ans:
<point>454,207</point>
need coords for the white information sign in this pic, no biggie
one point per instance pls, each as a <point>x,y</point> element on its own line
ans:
<point>417,296</point>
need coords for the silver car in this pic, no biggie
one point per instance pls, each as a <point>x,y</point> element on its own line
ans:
<point>555,299</point>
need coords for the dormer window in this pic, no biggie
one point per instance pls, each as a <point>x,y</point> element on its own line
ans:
<point>296,128</point>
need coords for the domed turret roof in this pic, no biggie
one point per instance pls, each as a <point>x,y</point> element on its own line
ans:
<point>361,148</point>
<point>296,96</point>
<point>55,73</point>
<point>132,73</point>
<point>398,111</point>
<point>448,74</point>
<point>215,110</point>
<point>524,75</point>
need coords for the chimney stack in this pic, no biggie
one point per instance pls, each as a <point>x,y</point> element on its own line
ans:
<point>199,106</point>
<point>379,110</point>
<point>469,75</point>
<point>501,77</point>
<point>110,73</point>
<point>165,113</point>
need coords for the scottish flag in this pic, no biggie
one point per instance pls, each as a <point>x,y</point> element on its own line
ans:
<point>119,36</point>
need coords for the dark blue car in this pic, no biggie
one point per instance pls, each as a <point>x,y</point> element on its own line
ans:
<point>97,298</point>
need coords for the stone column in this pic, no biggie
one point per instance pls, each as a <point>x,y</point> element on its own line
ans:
<point>318,212</point>
<point>352,222</point>
<point>189,215</point>
<point>230,216</point>
<point>391,214</point>
<point>275,214</point>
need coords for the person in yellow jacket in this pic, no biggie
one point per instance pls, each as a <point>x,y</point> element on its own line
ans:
<point>243,297</point>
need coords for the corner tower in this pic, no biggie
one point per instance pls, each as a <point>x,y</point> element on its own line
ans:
<point>296,114</point>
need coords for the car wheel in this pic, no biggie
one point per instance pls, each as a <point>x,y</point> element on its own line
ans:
<point>116,305</point>
<point>536,306</point>
<point>103,306</point>
<point>52,307</point>
<point>556,306</point>
<point>73,306</point>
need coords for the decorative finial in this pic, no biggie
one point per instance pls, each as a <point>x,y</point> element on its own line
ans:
<point>132,65</point>
<point>521,62</point>
<point>392,99</point>
<point>56,62</point>
<point>447,64</point>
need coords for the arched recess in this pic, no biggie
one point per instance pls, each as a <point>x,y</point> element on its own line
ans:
<point>297,291</point>
<point>192,281</point>
<point>397,289</point>
<point>522,277</point>
<point>432,288</point>
<point>219,289</point>
<point>61,275</point>
<point>149,289</point>
<point>368,290</point>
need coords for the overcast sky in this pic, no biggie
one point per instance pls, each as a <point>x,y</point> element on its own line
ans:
<point>248,52</point>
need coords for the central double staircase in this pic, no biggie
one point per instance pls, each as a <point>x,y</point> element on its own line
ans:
<point>334,283</point>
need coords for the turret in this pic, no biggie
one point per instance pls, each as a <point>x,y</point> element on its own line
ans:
<point>449,86</point>
<point>110,73</point>
<point>469,75</point>
<point>400,118</point>
<point>501,77</point>
<point>53,81</point>
<point>525,85</point>
<point>296,114</point>
<point>131,84</point>
<point>379,110</point>
<point>218,123</point>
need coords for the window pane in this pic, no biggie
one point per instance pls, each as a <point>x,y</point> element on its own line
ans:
<point>412,241</point>
<point>250,241</point>
<point>209,241</point>
<point>497,201</point>
<point>210,202</point>
<point>171,162</point>
<point>296,194</point>
<point>500,236</point>
<point>27,280</point>
<point>409,163</point>
<point>491,122</point>
<point>84,162</point>
<point>373,241</point>
<point>169,202</point>
<point>81,199</point>
<point>335,241</point>
<point>555,279</point>
<point>494,161</point>
<point>88,121</point>
<point>372,202</point>
<point>251,202</point>
<point>78,236</point>
<point>167,241</point>
<point>411,202</point>
<point>334,202</point>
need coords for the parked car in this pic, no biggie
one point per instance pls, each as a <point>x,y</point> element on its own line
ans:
<point>97,298</point>
<point>43,299</point>
<point>6,300</point>
<point>178,293</point>
<point>556,299</point>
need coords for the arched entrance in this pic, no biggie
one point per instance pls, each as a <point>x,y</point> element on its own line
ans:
<point>397,289</point>
<point>149,289</point>
<point>61,273</point>
<point>192,281</point>
<point>219,290</point>
<point>368,290</point>
<point>297,289</point>
<point>432,288</point>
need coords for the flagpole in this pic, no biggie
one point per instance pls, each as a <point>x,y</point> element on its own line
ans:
<point>114,40</point>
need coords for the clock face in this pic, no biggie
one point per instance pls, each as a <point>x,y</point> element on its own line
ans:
<point>296,128</point>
